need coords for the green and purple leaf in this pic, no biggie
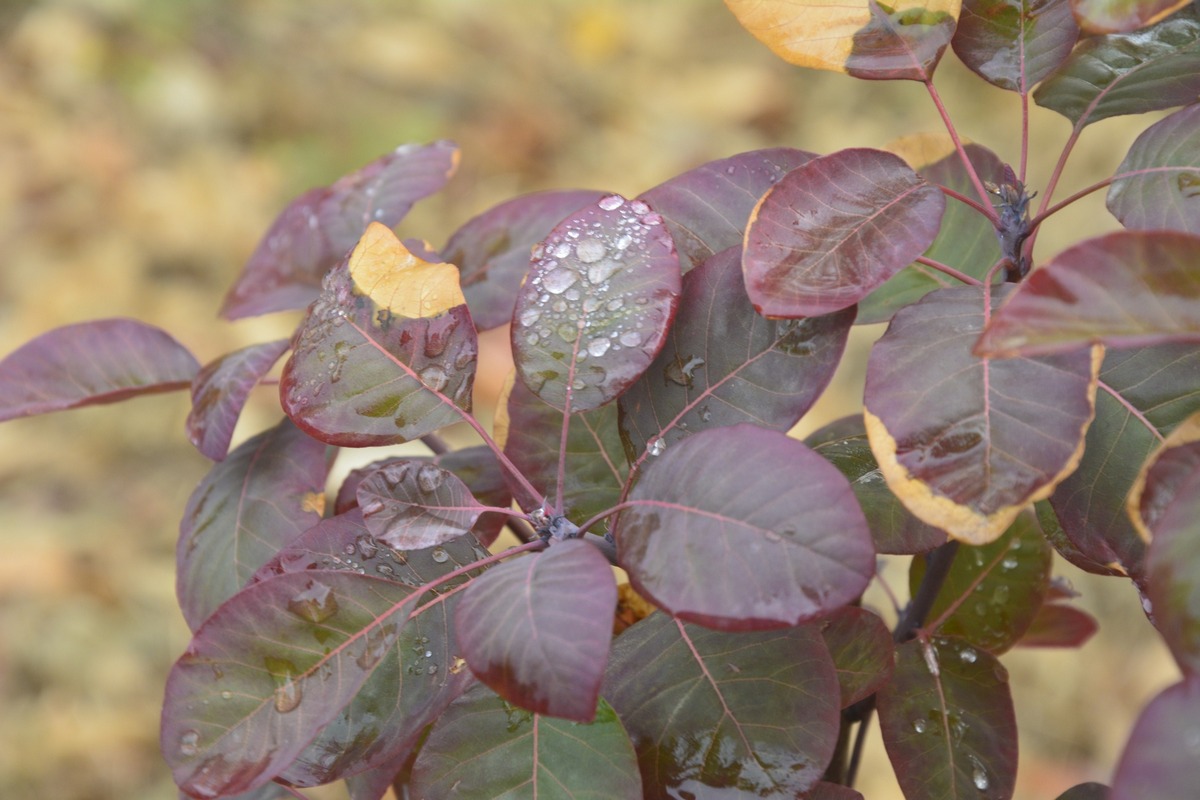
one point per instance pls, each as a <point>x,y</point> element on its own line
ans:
<point>1159,185</point>
<point>1162,757</point>
<point>1126,289</point>
<point>1173,574</point>
<point>537,629</point>
<point>1058,625</point>
<point>266,493</point>
<point>834,229</point>
<point>486,749</point>
<point>92,363</point>
<point>492,249</point>
<point>743,715</point>
<point>220,390</point>
<point>1014,44</point>
<point>947,721</point>
<point>724,364</point>
<point>768,534</point>
<point>862,651</point>
<point>412,504</point>
<point>1127,73</point>
<point>593,313</point>
<point>319,227</point>
<point>706,208</point>
<point>1158,482</point>
<point>1122,16</point>
<point>967,442</point>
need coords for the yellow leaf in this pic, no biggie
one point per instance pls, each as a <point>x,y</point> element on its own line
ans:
<point>383,269</point>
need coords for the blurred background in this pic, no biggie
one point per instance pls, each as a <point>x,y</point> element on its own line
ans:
<point>145,146</point>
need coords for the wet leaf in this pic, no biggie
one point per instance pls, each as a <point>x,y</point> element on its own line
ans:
<point>412,504</point>
<point>864,39</point>
<point>1159,479</point>
<point>1059,625</point>
<point>767,534</point>
<point>386,355</point>
<point>1126,289</point>
<point>1127,73</point>
<point>1014,44</point>
<point>861,648</point>
<point>492,249</point>
<point>893,527</point>
<point>1173,574</point>
<point>592,315</point>
<point>220,390</point>
<point>537,629</point>
<point>993,592</point>
<point>1000,435</point>
<point>1162,187</point>
<point>754,714</point>
<point>1162,757</point>
<point>266,493</point>
<point>723,364</point>
<point>91,363</point>
<point>948,721</point>
<point>1117,16</point>
<point>706,208</point>
<point>834,229</point>
<point>319,227</point>
<point>483,747</point>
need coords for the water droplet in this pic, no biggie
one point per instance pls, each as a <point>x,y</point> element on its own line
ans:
<point>591,305</point>
<point>601,271</point>
<point>979,775</point>
<point>651,219</point>
<point>189,743</point>
<point>373,507</point>
<point>431,669</point>
<point>378,642</point>
<point>561,250</point>
<point>385,569</point>
<point>612,202</point>
<point>1000,594</point>
<point>657,446</point>
<point>428,653</point>
<point>705,413</point>
<point>557,281</point>
<point>590,250</point>
<point>630,338</point>
<point>226,695</point>
<point>616,304</point>
<point>1009,563</point>
<point>288,691</point>
<point>1189,185</point>
<point>920,726</point>
<point>528,317</point>
<point>624,241</point>
<point>967,655</point>
<point>435,377</point>
<point>931,661</point>
<point>316,603</point>
<point>367,546</point>
<point>598,347</point>
<point>439,555</point>
<point>1147,606</point>
<point>429,478</point>
<point>638,207</point>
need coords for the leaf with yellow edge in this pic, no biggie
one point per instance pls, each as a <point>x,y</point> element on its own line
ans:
<point>1159,479</point>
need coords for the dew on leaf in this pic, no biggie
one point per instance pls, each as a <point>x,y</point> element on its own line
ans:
<point>439,555</point>
<point>1189,185</point>
<point>561,250</point>
<point>226,695</point>
<point>598,347</point>
<point>557,281</point>
<point>316,603</point>
<point>378,642</point>
<point>1009,563</point>
<point>612,202</point>
<point>651,219</point>
<point>568,332</point>
<point>601,271</point>
<point>429,478</point>
<point>967,655</point>
<point>529,316</point>
<point>705,413</point>
<point>1000,594</point>
<point>630,338</point>
<point>590,250</point>
<point>658,446</point>
<point>624,241</point>
<point>385,569</point>
<point>435,377</point>
<point>189,743</point>
<point>616,304</point>
<point>920,726</point>
<point>979,775</point>
<point>639,207</point>
<point>931,661</point>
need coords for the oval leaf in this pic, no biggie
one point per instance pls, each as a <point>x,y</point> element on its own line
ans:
<point>834,229</point>
<point>91,363</point>
<point>1173,574</point>
<point>387,354</point>
<point>317,229</point>
<point>754,714</point>
<point>1059,625</point>
<point>1117,16</point>
<point>966,442</point>
<point>1126,289</point>
<point>220,390</point>
<point>743,528</point>
<point>592,315</point>
<point>1159,185</point>
<point>537,629</point>
<point>1162,758</point>
<point>861,648</point>
<point>1014,44</point>
<point>1158,482</point>
<point>413,504</point>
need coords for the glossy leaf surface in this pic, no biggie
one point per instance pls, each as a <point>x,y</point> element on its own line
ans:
<point>492,249</point>
<point>1014,44</point>
<point>1162,758</point>
<point>834,229</point>
<point>483,748</point>
<point>91,363</point>
<point>220,390</point>
<point>319,227</point>
<point>1117,16</point>
<point>863,38</point>
<point>768,534</point>
<point>592,315</point>
<point>893,527</point>
<point>723,364</point>
<point>947,721</point>
<point>740,715</point>
<point>537,629</point>
<point>1059,625</point>
<point>1162,189</point>
<point>412,504</point>
<point>993,592</point>
<point>1173,574</point>
<point>861,648</point>
<point>1128,73</point>
<point>265,494</point>
<point>1160,478</point>
<point>966,442</point>
<point>706,208</point>
<point>1126,289</point>
<point>386,355</point>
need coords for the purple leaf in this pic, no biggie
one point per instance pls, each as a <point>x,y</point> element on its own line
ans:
<point>1161,187</point>
<point>832,791</point>
<point>1158,482</point>
<point>706,208</point>
<point>537,629</point>
<point>834,229</point>
<point>492,249</point>
<point>1086,791</point>
<point>387,354</point>
<point>411,504</point>
<point>593,314</point>
<point>1126,289</point>
<point>91,363</point>
<point>1161,757</point>
<point>1014,44</point>
<point>483,747</point>
<point>966,442</point>
<point>220,390</point>
<point>1173,574</point>
<point>753,713</point>
<point>265,494</point>
<point>947,721</point>
<point>1116,16</point>
<point>723,364</point>
<point>904,44</point>
<point>743,528</point>
<point>1058,625</point>
<point>317,229</point>
<point>861,648</point>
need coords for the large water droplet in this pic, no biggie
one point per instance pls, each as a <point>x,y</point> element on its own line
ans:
<point>561,250</point>
<point>557,281</point>
<point>439,555</point>
<point>920,726</point>
<point>429,478</point>
<point>601,271</point>
<point>288,691</point>
<point>189,743</point>
<point>434,377</point>
<point>316,603</point>
<point>967,655</point>
<point>639,207</point>
<point>931,661</point>
<point>590,250</point>
<point>529,316</point>
<point>657,446</point>
<point>378,642</point>
<point>1009,563</point>
<point>612,202</point>
<point>979,775</point>
<point>598,347</point>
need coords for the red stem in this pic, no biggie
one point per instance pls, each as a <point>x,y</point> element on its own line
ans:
<point>962,153</point>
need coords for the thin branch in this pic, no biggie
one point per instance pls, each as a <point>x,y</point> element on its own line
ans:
<point>948,270</point>
<point>860,739</point>
<point>522,530</point>
<point>962,198</point>
<point>962,153</point>
<point>1048,192</point>
<point>1024,130</point>
<point>436,444</point>
<point>937,567</point>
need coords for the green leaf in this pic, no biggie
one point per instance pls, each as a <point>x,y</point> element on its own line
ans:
<point>1161,183</point>
<point>861,648</point>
